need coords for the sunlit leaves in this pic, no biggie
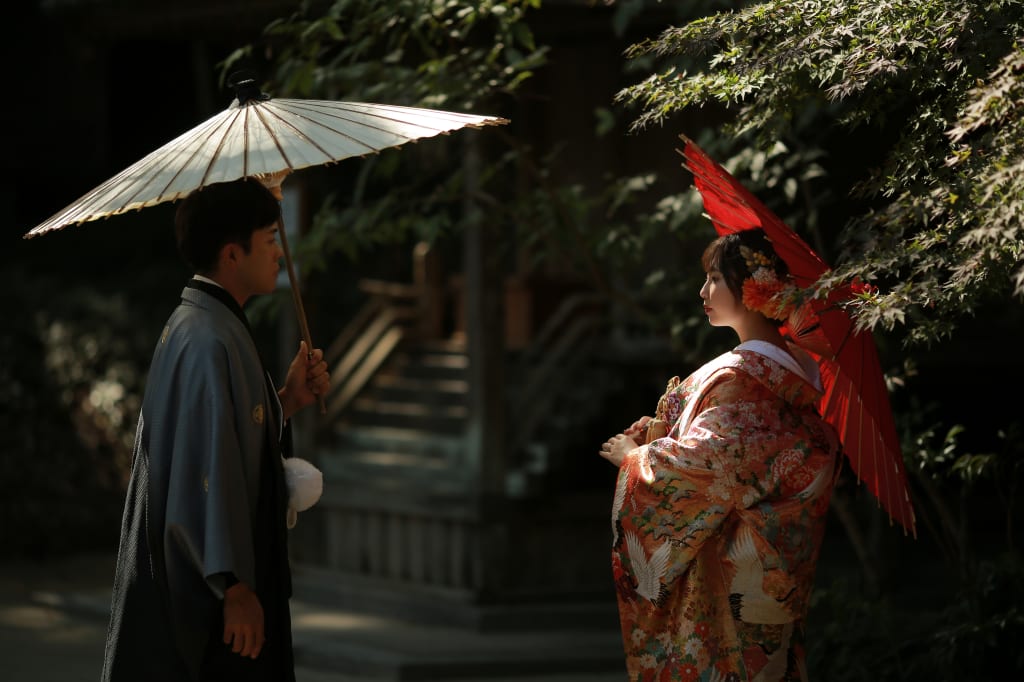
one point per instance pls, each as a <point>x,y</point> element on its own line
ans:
<point>414,52</point>
<point>944,81</point>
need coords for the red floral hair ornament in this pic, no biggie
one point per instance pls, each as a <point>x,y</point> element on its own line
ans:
<point>764,291</point>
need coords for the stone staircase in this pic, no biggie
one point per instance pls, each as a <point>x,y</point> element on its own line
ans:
<point>410,525</point>
<point>403,514</point>
<point>423,387</point>
<point>409,419</point>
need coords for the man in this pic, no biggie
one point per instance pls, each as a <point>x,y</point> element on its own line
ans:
<point>202,581</point>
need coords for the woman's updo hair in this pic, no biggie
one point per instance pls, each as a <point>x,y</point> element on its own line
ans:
<point>726,255</point>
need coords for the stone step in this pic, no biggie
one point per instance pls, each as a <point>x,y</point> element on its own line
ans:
<point>420,364</point>
<point>453,638</point>
<point>443,654</point>
<point>451,346</point>
<point>359,471</point>
<point>447,419</point>
<point>394,387</point>
<point>391,438</point>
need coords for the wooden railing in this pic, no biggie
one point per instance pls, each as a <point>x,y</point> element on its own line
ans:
<point>547,363</point>
<point>365,344</point>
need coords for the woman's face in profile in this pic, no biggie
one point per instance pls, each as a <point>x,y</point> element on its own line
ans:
<point>720,304</point>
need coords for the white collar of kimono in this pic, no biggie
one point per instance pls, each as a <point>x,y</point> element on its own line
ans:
<point>207,280</point>
<point>796,361</point>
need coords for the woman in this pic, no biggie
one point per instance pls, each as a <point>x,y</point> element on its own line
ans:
<point>719,510</point>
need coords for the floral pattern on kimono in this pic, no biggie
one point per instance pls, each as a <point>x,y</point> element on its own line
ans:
<point>718,522</point>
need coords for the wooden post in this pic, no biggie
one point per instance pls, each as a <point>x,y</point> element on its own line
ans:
<point>426,268</point>
<point>484,306</point>
<point>485,428</point>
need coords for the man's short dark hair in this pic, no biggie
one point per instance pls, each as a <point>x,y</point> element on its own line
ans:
<point>219,214</point>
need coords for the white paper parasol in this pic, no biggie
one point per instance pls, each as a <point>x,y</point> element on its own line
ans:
<point>261,137</point>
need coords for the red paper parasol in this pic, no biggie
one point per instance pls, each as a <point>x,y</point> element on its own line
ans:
<point>855,400</point>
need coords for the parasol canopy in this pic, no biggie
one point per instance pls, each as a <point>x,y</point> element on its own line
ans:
<point>855,400</point>
<point>257,136</point>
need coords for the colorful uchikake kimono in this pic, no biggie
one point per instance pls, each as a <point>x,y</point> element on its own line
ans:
<point>718,520</point>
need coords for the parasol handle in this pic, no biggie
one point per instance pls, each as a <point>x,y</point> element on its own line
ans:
<point>297,298</point>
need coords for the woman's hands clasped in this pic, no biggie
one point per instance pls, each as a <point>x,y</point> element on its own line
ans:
<point>615,448</point>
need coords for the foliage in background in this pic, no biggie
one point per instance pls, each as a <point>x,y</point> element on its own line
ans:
<point>974,633</point>
<point>71,378</point>
<point>935,87</point>
<point>442,54</point>
<point>84,309</point>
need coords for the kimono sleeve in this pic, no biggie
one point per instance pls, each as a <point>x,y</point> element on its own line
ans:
<point>209,517</point>
<point>675,492</point>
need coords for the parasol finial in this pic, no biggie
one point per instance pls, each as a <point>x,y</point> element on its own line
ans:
<point>246,89</point>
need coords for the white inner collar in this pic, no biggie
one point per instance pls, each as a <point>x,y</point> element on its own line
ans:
<point>796,361</point>
<point>207,280</point>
